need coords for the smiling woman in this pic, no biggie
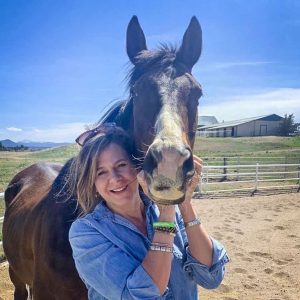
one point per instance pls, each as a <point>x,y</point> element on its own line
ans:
<point>116,155</point>
<point>125,246</point>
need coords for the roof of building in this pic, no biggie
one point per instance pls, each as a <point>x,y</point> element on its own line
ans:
<point>272,117</point>
<point>207,120</point>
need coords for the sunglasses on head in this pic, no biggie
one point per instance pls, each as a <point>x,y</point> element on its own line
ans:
<point>101,129</point>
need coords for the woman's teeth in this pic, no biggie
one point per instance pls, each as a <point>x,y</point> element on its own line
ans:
<point>120,189</point>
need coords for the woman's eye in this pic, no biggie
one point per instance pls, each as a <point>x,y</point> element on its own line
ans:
<point>122,165</point>
<point>100,173</point>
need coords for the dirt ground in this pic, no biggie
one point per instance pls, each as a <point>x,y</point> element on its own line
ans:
<point>262,237</point>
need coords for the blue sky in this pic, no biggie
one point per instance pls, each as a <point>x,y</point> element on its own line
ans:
<point>62,62</point>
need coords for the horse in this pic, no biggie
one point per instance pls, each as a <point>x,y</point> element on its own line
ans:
<point>161,116</point>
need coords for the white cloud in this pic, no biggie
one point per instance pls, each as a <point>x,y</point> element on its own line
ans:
<point>14,129</point>
<point>60,133</point>
<point>67,132</point>
<point>226,65</point>
<point>277,101</point>
<point>217,66</point>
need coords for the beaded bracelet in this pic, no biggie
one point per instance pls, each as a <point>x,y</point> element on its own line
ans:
<point>161,247</point>
<point>166,227</point>
<point>192,223</point>
<point>170,231</point>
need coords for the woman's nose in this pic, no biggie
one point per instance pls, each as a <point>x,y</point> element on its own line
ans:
<point>115,175</point>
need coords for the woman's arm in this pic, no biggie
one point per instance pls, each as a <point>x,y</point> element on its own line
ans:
<point>200,244</point>
<point>157,263</point>
<point>205,257</point>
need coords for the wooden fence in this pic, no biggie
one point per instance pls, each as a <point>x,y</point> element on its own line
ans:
<point>248,177</point>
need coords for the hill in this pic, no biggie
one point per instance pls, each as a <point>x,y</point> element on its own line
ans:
<point>31,144</point>
<point>8,143</point>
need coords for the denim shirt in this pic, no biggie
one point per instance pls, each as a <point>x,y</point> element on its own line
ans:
<point>108,251</point>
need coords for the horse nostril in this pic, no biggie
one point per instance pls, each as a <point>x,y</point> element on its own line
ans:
<point>162,188</point>
<point>151,160</point>
<point>188,165</point>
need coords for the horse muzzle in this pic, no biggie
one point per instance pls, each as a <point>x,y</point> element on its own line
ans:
<point>168,169</point>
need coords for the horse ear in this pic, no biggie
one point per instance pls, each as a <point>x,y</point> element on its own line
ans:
<point>135,39</point>
<point>191,46</point>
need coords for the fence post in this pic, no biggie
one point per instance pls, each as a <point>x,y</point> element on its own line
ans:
<point>238,168</point>
<point>256,177</point>
<point>225,169</point>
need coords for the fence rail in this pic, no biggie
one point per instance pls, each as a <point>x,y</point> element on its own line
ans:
<point>245,174</point>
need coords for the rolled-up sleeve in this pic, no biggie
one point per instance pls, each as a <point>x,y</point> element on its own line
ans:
<point>109,270</point>
<point>206,277</point>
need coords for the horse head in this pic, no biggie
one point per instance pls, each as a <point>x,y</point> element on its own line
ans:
<point>165,99</point>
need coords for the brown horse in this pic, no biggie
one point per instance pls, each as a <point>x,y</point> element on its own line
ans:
<point>161,115</point>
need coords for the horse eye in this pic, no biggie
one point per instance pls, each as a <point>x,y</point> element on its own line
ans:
<point>195,95</point>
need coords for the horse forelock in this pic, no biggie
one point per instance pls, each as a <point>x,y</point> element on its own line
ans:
<point>162,60</point>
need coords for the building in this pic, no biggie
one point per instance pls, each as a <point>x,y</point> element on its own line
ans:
<point>207,120</point>
<point>257,126</point>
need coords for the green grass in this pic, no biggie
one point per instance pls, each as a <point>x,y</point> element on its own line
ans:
<point>248,146</point>
<point>13,162</point>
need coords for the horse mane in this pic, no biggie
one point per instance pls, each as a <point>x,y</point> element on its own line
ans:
<point>120,112</point>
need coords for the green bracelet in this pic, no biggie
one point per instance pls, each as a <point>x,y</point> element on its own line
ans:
<point>164,224</point>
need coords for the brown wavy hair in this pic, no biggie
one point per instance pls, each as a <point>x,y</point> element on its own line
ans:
<point>84,166</point>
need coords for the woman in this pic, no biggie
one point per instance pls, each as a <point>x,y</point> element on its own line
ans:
<point>124,245</point>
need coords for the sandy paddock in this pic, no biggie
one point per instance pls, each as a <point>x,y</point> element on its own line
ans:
<point>262,237</point>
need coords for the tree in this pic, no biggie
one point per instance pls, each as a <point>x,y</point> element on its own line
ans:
<point>287,125</point>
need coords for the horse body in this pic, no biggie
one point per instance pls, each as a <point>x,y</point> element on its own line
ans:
<point>161,116</point>
<point>22,197</point>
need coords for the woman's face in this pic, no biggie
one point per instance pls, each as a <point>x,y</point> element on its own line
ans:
<point>116,178</point>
